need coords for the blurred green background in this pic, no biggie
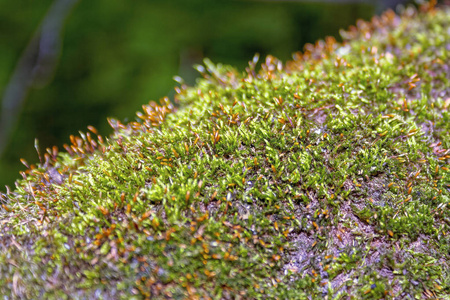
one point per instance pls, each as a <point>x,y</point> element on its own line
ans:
<point>118,55</point>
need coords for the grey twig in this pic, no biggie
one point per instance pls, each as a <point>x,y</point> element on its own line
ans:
<point>35,67</point>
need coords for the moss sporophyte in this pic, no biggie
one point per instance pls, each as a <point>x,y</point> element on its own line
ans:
<point>323,178</point>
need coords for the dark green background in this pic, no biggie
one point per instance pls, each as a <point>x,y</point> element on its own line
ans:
<point>118,55</point>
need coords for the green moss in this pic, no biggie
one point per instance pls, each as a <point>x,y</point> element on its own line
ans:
<point>324,177</point>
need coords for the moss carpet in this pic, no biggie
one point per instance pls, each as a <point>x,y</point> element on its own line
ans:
<point>326,177</point>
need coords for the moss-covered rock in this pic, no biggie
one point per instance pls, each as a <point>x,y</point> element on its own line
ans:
<point>326,177</point>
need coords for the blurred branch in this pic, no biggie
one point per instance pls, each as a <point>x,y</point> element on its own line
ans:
<point>35,67</point>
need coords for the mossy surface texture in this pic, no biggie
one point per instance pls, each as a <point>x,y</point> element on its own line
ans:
<point>323,178</point>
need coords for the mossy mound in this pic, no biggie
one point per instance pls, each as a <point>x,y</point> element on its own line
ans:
<point>326,177</point>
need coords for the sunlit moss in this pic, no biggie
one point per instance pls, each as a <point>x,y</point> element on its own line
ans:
<point>327,176</point>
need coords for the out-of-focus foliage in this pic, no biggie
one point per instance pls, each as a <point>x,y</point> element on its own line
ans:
<point>119,55</point>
